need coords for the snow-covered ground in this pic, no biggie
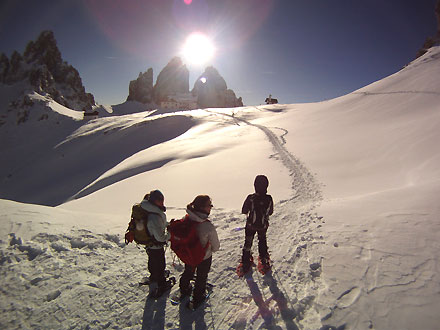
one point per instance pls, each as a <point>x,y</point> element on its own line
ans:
<point>354,237</point>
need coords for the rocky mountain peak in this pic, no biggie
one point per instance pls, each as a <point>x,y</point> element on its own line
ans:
<point>212,91</point>
<point>44,51</point>
<point>141,89</point>
<point>174,78</point>
<point>43,70</point>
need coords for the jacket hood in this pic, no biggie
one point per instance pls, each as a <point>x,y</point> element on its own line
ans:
<point>196,216</point>
<point>150,207</point>
<point>261,183</point>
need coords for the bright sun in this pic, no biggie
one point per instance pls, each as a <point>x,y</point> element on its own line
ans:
<point>198,49</point>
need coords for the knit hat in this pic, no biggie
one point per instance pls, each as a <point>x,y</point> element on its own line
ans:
<point>261,183</point>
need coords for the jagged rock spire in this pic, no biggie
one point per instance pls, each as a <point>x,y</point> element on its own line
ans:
<point>212,91</point>
<point>44,51</point>
<point>174,78</point>
<point>42,66</point>
<point>141,89</point>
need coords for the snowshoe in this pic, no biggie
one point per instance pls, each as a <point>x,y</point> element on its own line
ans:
<point>147,281</point>
<point>159,291</point>
<point>178,296</point>
<point>193,305</point>
<point>244,268</point>
<point>264,265</point>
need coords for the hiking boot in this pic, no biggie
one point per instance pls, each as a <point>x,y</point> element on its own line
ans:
<point>264,265</point>
<point>243,269</point>
<point>159,291</point>
<point>186,292</point>
<point>194,304</point>
<point>246,267</point>
<point>266,262</point>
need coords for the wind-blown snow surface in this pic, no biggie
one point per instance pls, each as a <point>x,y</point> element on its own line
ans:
<point>354,237</point>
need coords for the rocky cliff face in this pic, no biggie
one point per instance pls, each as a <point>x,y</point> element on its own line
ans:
<point>432,41</point>
<point>212,92</point>
<point>173,79</point>
<point>210,89</point>
<point>43,70</point>
<point>141,89</point>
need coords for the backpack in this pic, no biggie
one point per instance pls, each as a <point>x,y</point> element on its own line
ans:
<point>137,228</point>
<point>185,241</point>
<point>260,208</point>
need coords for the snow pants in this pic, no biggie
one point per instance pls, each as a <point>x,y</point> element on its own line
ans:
<point>249,238</point>
<point>156,266</point>
<point>201,271</point>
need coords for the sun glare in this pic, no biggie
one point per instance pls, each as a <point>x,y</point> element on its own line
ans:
<point>198,49</point>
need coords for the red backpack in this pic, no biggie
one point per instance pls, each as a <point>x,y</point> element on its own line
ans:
<point>185,241</point>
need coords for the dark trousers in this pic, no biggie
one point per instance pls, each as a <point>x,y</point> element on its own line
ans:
<point>201,271</point>
<point>249,238</point>
<point>156,266</point>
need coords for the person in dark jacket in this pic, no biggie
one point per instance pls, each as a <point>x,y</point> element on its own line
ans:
<point>199,211</point>
<point>258,207</point>
<point>156,226</point>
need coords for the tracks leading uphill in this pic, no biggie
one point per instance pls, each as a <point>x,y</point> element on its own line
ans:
<point>294,240</point>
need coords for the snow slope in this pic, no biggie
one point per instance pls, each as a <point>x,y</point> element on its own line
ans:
<point>354,236</point>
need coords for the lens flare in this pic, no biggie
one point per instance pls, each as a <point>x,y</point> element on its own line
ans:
<point>132,25</point>
<point>198,49</point>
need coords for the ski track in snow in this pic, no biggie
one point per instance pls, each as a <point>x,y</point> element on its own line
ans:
<point>104,294</point>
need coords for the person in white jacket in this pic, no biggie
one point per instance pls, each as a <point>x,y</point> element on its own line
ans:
<point>199,211</point>
<point>156,226</point>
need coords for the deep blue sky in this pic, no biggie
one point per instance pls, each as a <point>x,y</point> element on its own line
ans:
<point>297,50</point>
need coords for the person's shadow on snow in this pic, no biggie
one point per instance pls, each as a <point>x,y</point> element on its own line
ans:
<point>187,318</point>
<point>262,304</point>
<point>154,314</point>
<point>287,314</point>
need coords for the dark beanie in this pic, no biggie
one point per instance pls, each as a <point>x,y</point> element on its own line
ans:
<point>155,195</point>
<point>261,183</point>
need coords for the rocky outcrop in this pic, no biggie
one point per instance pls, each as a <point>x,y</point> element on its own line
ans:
<point>432,41</point>
<point>173,79</point>
<point>141,89</point>
<point>42,66</point>
<point>210,89</point>
<point>212,92</point>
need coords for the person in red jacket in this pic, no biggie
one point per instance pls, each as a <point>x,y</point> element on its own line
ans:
<point>198,211</point>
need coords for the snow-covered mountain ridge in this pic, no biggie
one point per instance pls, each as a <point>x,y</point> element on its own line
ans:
<point>354,237</point>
